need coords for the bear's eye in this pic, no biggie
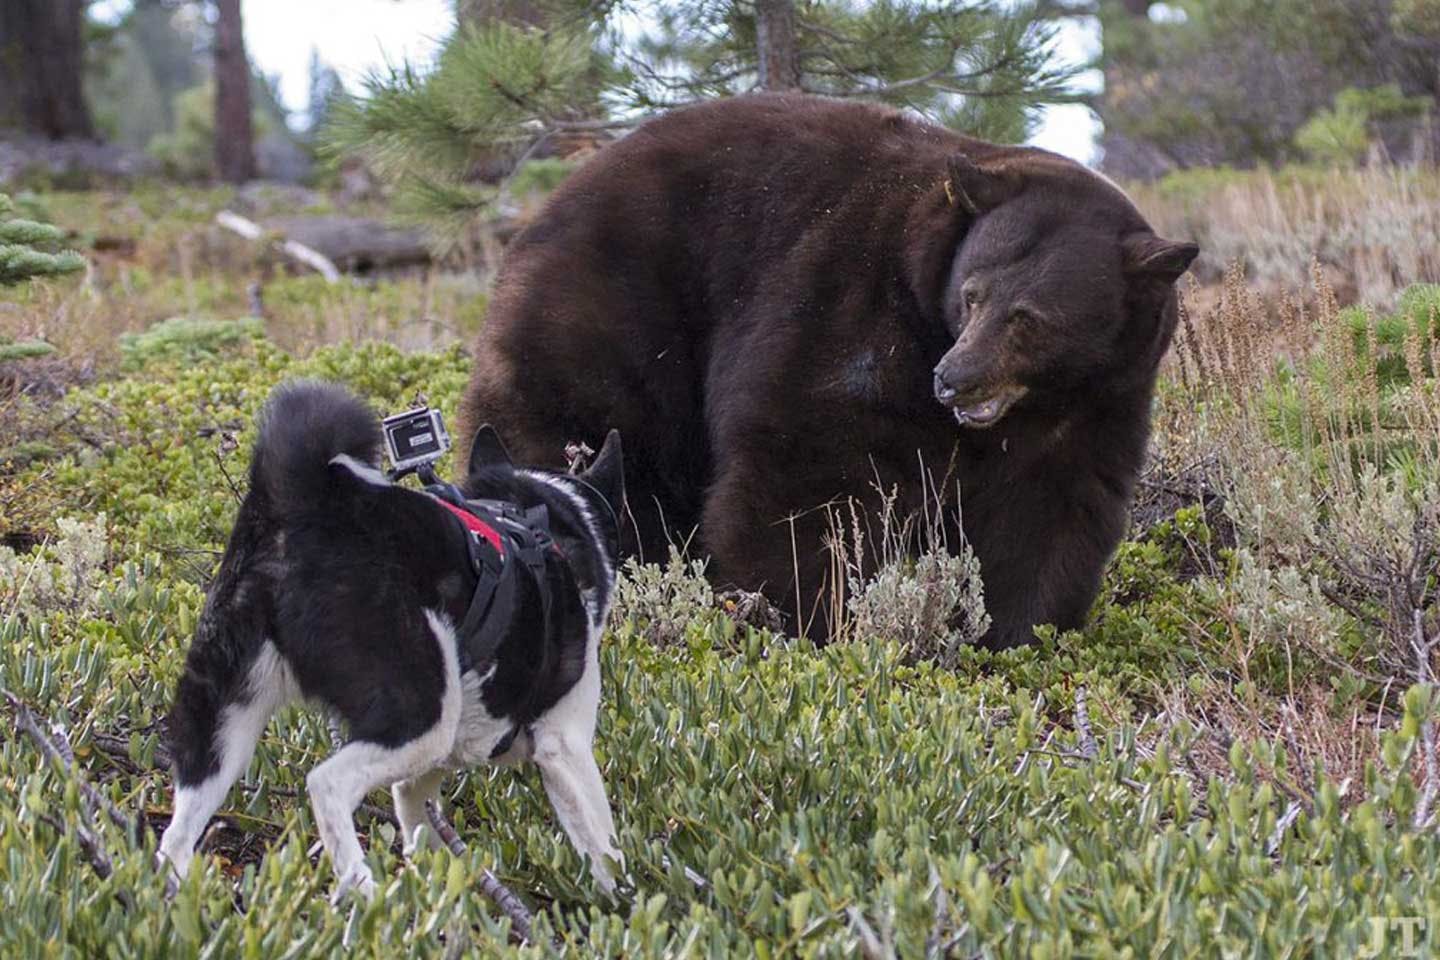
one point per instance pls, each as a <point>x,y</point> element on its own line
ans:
<point>971,298</point>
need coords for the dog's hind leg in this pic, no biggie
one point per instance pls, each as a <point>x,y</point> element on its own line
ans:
<point>410,797</point>
<point>339,784</point>
<point>217,756</point>
<point>577,792</point>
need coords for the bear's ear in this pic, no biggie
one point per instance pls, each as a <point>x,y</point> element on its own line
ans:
<point>487,450</point>
<point>1149,256</point>
<point>974,189</point>
<point>607,473</point>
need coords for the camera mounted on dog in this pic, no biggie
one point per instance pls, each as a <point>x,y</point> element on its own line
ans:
<point>501,536</point>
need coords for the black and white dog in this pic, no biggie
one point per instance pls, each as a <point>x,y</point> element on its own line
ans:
<point>345,589</point>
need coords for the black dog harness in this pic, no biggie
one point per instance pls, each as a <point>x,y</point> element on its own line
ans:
<point>502,539</point>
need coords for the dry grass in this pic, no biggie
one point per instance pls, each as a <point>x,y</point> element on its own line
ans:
<point>156,254</point>
<point>1374,230</point>
<point>1329,478</point>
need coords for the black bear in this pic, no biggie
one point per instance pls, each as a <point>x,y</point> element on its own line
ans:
<point>781,301</point>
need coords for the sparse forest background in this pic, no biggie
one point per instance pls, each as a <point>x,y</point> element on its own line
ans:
<point>1237,756</point>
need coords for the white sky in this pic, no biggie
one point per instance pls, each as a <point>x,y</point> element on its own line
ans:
<point>1072,129</point>
<point>355,36</point>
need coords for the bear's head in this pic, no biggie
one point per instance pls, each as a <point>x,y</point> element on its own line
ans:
<point>1059,292</point>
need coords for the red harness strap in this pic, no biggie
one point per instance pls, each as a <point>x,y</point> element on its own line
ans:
<point>476,526</point>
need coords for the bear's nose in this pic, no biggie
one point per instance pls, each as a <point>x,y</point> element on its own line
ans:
<point>943,391</point>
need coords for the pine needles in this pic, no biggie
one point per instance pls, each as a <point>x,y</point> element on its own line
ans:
<point>26,249</point>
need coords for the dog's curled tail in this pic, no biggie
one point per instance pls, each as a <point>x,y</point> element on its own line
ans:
<point>304,426</point>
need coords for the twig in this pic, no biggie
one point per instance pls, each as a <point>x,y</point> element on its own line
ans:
<point>1281,825</point>
<point>229,480</point>
<point>510,904</point>
<point>694,876</point>
<point>1422,649</point>
<point>94,802</point>
<point>870,946</point>
<point>1088,747</point>
<point>578,456</point>
<point>94,853</point>
<point>942,908</point>
<point>25,719</point>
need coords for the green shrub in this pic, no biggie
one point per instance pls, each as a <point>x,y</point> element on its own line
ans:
<point>188,340</point>
<point>933,606</point>
<point>663,603</point>
<point>24,349</point>
<point>1339,136</point>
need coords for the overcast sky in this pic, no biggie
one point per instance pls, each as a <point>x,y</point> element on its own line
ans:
<point>354,36</point>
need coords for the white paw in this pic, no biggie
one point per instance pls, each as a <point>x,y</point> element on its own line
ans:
<point>173,871</point>
<point>357,879</point>
<point>604,875</point>
<point>173,863</point>
<point>420,837</point>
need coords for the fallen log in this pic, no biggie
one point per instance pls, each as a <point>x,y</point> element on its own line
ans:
<point>299,252</point>
<point>355,244</point>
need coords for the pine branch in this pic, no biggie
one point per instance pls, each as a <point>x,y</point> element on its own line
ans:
<point>19,258</point>
<point>504,91</point>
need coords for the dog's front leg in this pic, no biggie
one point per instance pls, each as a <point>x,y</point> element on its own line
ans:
<point>410,797</point>
<point>577,792</point>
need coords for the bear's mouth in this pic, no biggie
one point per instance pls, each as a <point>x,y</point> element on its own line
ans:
<point>988,412</point>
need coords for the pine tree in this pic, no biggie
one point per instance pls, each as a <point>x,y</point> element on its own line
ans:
<point>22,249</point>
<point>504,85</point>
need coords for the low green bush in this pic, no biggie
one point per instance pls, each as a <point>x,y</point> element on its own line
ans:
<point>187,340</point>
<point>773,799</point>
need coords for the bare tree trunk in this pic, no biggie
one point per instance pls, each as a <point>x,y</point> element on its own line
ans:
<point>234,130</point>
<point>42,58</point>
<point>775,40</point>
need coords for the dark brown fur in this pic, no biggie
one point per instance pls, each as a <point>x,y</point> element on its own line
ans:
<point>764,296</point>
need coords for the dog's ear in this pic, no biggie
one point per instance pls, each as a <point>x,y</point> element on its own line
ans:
<point>487,450</point>
<point>607,473</point>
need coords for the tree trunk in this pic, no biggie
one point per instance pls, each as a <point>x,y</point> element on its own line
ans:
<point>42,58</point>
<point>775,43</point>
<point>1139,8</point>
<point>234,130</point>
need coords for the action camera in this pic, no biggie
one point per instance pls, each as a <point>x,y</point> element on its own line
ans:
<point>415,438</point>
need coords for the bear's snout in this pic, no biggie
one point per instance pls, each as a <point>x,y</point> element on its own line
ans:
<point>943,391</point>
<point>975,398</point>
<point>957,380</point>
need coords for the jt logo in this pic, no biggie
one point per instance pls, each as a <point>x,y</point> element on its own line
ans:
<point>1401,934</point>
